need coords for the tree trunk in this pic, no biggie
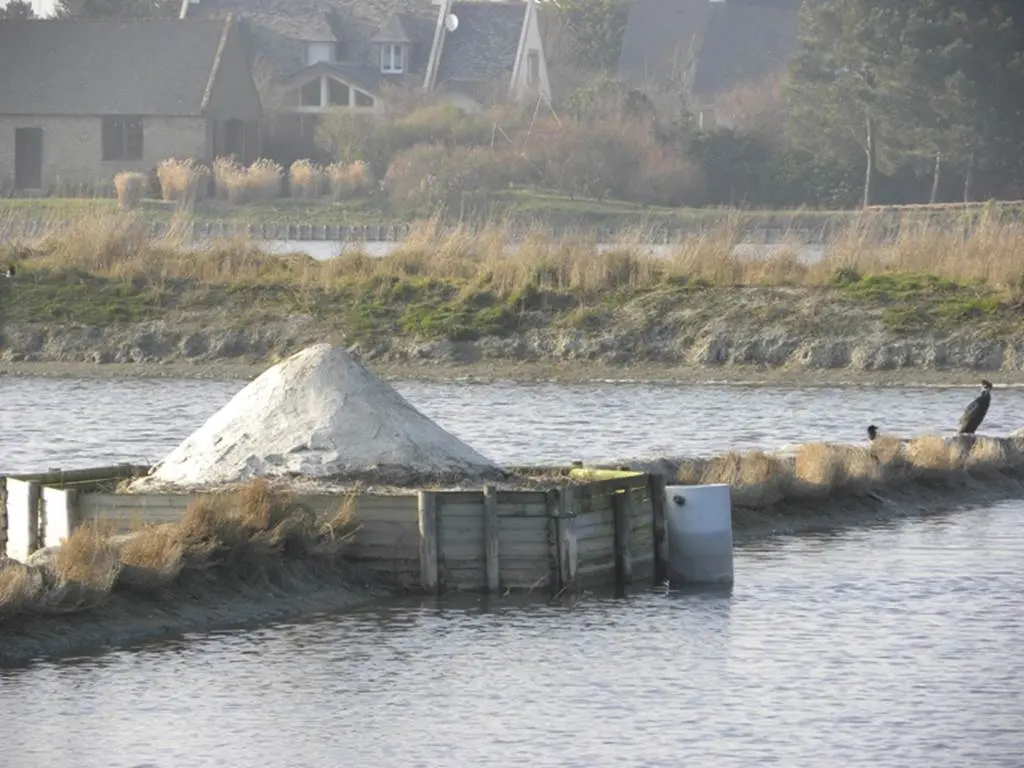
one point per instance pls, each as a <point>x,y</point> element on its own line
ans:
<point>869,151</point>
<point>969,178</point>
<point>935,178</point>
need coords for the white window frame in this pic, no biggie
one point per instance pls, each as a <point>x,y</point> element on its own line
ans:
<point>392,58</point>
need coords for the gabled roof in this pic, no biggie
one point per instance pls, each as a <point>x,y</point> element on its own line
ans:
<point>484,45</point>
<point>278,25</point>
<point>719,44</point>
<point>78,67</point>
<point>395,30</point>
<point>364,78</point>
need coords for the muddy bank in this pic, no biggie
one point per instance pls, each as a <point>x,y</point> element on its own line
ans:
<point>553,353</point>
<point>198,602</point>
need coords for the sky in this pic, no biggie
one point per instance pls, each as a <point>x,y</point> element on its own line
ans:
<point>42,7</point>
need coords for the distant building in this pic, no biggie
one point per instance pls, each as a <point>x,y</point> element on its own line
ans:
<point>683,54</point>
<point>320,56</point>
<point>83,100</point>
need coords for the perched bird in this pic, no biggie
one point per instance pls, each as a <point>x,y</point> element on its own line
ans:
<point>10,271</point>
<point>974,414</point>
<point>872,432</point>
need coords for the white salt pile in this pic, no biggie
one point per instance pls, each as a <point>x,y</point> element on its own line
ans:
<point>318,414</point>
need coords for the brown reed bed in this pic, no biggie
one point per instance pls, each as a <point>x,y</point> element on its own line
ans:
<point>985,257</point>
<point>252,533</point>
<point>822,479</point>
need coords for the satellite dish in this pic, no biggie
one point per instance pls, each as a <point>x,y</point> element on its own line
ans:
<point>451,22</point>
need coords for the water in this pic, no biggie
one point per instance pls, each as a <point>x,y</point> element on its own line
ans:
<point>75,423</point>
<point>322,250</point>
<point>895,645</point>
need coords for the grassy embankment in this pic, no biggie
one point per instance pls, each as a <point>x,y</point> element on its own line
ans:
<point>106,271</point>
<point>258,544</point>
<point>523,206</point>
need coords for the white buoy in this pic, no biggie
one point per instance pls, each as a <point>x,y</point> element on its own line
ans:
<point>699,522</point>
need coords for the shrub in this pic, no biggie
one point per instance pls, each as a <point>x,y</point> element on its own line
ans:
<point>431,175</point>
<point>306,180</point>
<point>261,181</point>
<point>348,180</point>
<point>264,180</point>
<point>229,179</point>
<point>182,181</point>
<point>130,187</point>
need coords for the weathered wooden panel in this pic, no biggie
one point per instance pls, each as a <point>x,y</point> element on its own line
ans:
<point>526,499</point>
<point>459,498</point>
<point>449,511</point>
<point>598,545</point>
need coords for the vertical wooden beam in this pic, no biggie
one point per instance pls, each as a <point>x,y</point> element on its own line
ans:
<point>491,555</point>
<point>568,549</point>
<point>657,484</point>
<point>622,504</point>
<point>34,494</point>
<point>428,540</point>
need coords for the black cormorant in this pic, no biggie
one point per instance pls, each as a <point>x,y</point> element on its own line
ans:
<point>872,432</point>
<point>975,412</point>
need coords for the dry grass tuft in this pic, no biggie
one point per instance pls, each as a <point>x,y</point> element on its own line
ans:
<point>88,557</point>
<point>130,188</point>
<point>306,180</point>
<point>822,469</point>
<point>834,466</point>
<point>348,180</point>
<point>19,588</point>
<point>182,181</point>
<point>249,531</point>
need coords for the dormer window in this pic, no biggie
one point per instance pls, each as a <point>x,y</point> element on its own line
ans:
<point>320,51</point>
<point>392,58</point>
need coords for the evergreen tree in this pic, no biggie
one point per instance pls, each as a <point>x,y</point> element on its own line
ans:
<point>843,74</point>
<point>17,9</point>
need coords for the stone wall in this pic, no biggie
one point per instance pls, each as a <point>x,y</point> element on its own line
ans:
<point>72,147</point>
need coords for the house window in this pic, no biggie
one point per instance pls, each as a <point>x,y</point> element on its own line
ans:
<point>311,96</point>
<point>317,52</point>
<point>533,68</point>
<point>392,58</point>
<point>337,93</point>
<point>121,138</point>
<point>362,100</point>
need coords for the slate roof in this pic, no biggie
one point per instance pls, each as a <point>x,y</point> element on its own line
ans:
<point>735,41</point>
<point>279,27</point>
<point>483,47</point>
<point>76,67</point>
<point>658,39</point>
<point>744,41</point>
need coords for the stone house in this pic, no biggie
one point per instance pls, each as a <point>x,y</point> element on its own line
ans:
<point>315,57</point>
<point>81,101</point>
<point>685,54</point>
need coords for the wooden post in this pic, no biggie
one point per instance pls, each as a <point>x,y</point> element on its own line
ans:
<point>493,565</point>
<point>34,492</point>
<point>428,540</point>
<point>568,550</point>
<point>657,491</point>
<point>622,504</point>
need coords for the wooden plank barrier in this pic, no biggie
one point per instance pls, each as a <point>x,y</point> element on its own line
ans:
<point>591,532</point>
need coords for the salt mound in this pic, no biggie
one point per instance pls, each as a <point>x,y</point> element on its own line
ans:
<point>318,414</point>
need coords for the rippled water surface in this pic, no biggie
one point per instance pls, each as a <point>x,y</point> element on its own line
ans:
<point>896,645</point>
<point>89,422</point>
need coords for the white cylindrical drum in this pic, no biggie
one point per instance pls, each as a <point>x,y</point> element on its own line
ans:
<point>699,523</point>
